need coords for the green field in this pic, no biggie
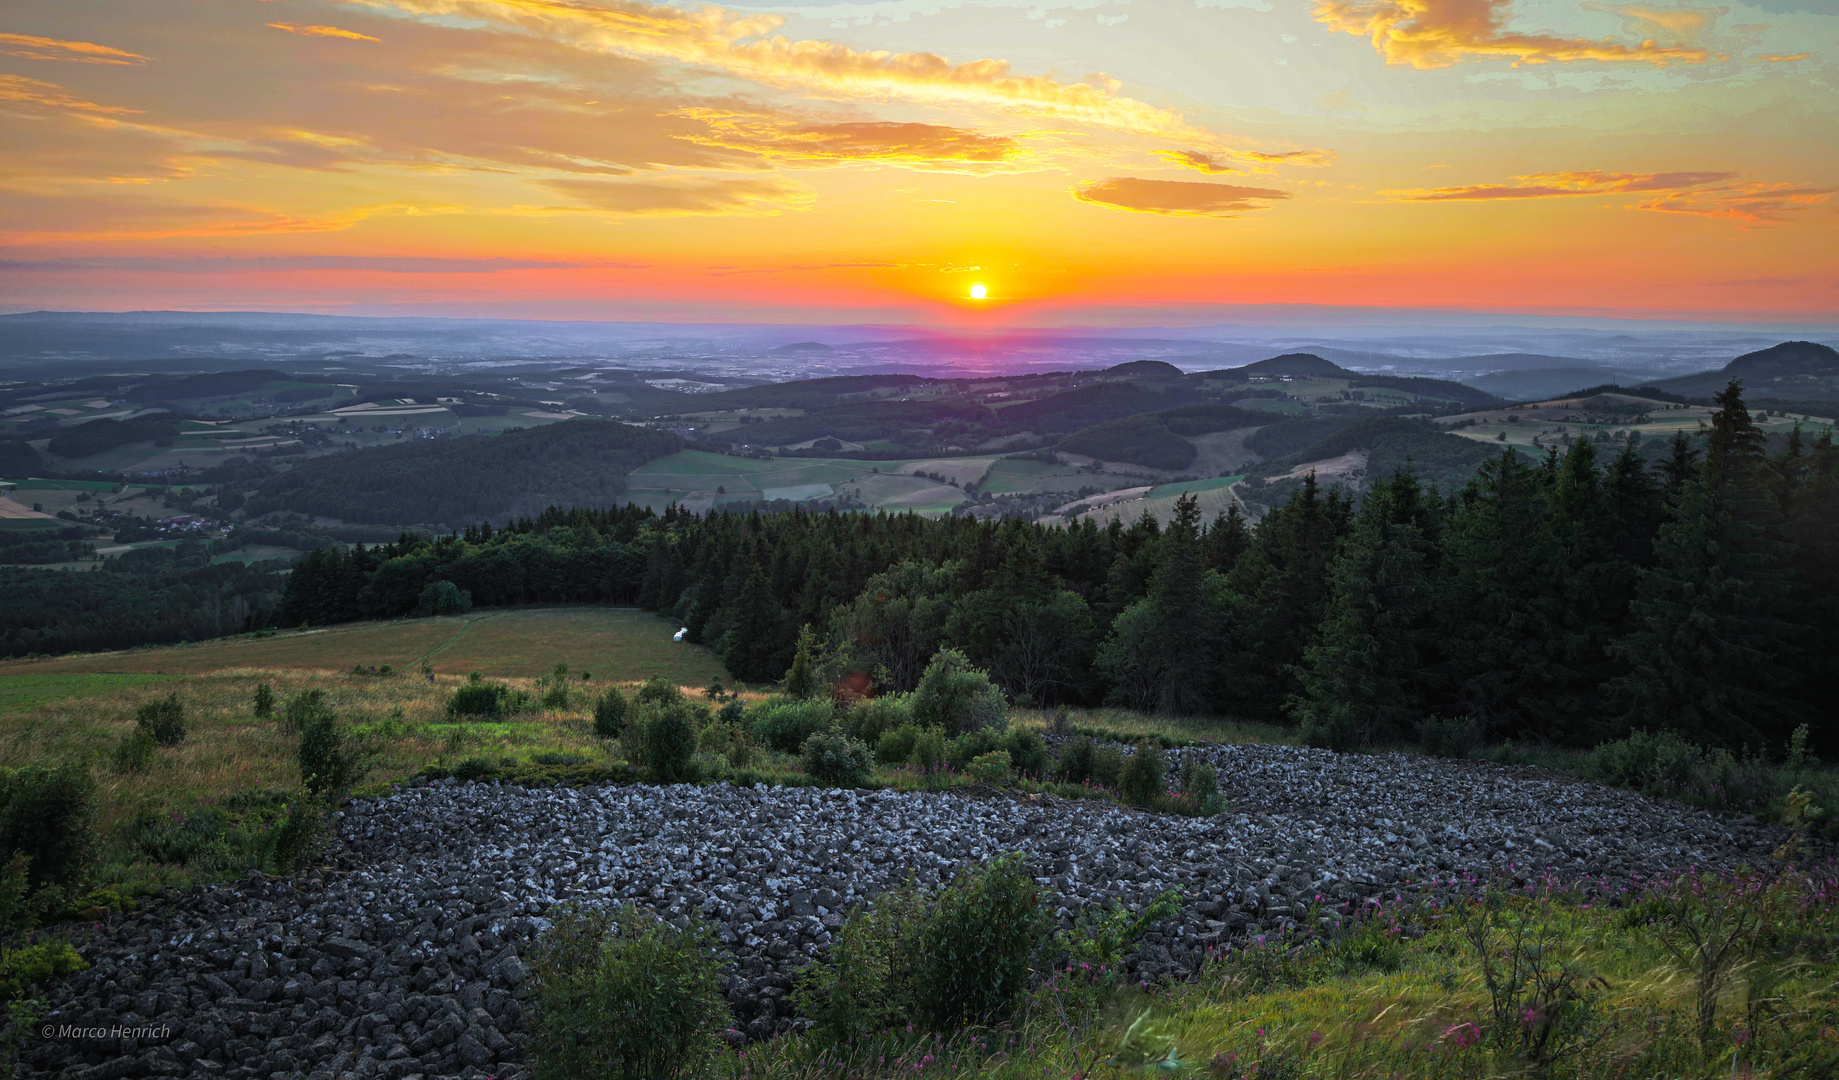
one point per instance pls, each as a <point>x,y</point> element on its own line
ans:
<point>614,643</point>
<point>690,473</point>
<point>26,691</point>
<point>1192,487</point>
<point>64,485</point>
<point>1011,475</point>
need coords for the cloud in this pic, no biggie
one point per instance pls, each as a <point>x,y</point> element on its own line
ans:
<point>744,45</point>
<point>685,197</point>
<point>1439,33</point>
<point>80,52</point>
<point>1184,197</point>
<point>1194,159</point>
<point>1777,58</point>
<point>1682,25</point>
<point>911,144</point>
<point>322,31</point>
<point>33,92</point>
<point>1214,163</point>
<point>1555,185</point>
<point>1756,203</point>
<point>258,264</point>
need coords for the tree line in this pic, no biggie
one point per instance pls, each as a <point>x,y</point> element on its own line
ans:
<point>1565,599</point>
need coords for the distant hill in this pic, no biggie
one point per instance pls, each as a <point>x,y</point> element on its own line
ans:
<point>1299,364</point>
<point>1149,369</point>
<point>1535,384</point>
<point>1085,407</point>
<point>803,347</point>
<point>1792,369</point>
<point>453,482</point>
<point>1140,440</point>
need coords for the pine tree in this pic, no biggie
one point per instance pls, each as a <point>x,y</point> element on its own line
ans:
<point>754,648</point>
<point>801,678</point>
<point>1227,539</point>
<point>1363,682</point>
<point>1709,654</point>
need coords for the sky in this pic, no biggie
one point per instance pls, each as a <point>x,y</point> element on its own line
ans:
<point>1084,162</point>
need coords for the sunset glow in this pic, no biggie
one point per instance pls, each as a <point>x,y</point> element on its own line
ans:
<point>1154,163</point>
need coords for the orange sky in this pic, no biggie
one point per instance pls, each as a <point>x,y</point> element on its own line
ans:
<point>1085,160</point>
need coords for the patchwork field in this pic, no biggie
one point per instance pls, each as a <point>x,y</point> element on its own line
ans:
<point>613,643</point>
<point>699,479</point>
<point>1213,496</point>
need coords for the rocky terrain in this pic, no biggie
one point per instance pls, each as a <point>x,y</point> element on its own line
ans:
<point>403,960</point>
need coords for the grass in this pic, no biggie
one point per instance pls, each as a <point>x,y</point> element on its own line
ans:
<point>1126,726</point>
<point>617,644</point>
<point>26,691</point>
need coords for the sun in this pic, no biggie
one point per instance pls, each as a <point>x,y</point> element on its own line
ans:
<point>978,292</point>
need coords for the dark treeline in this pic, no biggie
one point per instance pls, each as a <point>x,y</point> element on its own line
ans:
<point>152,596</point>
<point>1568,599</point>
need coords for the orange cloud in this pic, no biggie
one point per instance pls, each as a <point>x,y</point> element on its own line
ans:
<point>1776,58</point>
<point>33,92</point>
<point>1188,198</point>
<point>890,143</point>
<point>1214,163</point>
<point>1681,24</point>
<point>322,31</point>
<point>752,198</point>
<point>744,45</point>
<point>1554,185</point>
<point>1439,33</point>
<point>1194,159</point>
<point>80,52</point>
<point>1755,203</point>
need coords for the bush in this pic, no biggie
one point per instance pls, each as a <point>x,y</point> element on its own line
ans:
<point>1107,766</point>
<point>264,701</point>
<point>178,839</point>
<point>493,701</point>
<point>929,750</point>
<point>974,744</point>
<point>1075,763</point>
<point>297,837</point>
<point>667,735</point>
<point>835,759</point>
<point>785,723</point>
<point>164,719</point>
<point>307,706</point>
<point>872,718</point>
<point>1141,782</point>
<point>135,751</point>
<point>49,814</point>
<point>1450,737</point>
<point>327,765</point>
<point>895,747</point>
<point>443,598</point>
<point>660,691</point>
<point>992,768</point>
<point>620,994</point>
<point>610,714</point>
<point>29,964</point>
<point>1200,789</point>
<point>1028,752</point>
<point>956,697</point>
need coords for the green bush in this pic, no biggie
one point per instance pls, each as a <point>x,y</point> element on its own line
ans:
<point>1456,737</point>
<point>785,723</point>
<point>135,751</point>
<point>956,697</point>
<point>1141,783</point>
<point>1028,751</point>
<point>163,718</point>
<point>895,746</point>
<point>327,765</point>
<point>1075,763</point>
<point>660,691</point>
<point>1107,766</point>
<point>1200,789</point>
<point>443,598</point>
<point>178,838</point>
<point>994,767</point>
<point>667,735</point>
<point>929,750</point>
<point>557,693</point>
<point>264,701</point>
<point>29,964</point>
<point>874,717</point>
<point>610,714</point>
<point>493,701</point>
<point>49,815</point>
<point>297,837</point>
<point>619,994</point>
<point>835,759</point>
<point>974,744</point>
<point>305,707</point>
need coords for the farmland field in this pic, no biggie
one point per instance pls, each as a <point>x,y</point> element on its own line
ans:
<point>613,643</point>
<point>28,691</point>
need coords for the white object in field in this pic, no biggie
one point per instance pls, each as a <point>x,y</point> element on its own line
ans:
<point>678,636</point>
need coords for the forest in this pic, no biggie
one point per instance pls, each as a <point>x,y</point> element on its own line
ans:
<point>1567,599</point>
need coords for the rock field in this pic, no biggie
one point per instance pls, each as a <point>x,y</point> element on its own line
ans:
<point>402,959</point>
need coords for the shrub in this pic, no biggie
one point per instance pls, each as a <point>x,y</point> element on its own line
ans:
<point>135,751</point>
<point>327,765</point>
<point>835,759</point>
<point>1200,788</point>
<point>306,706</point>
<point>1452,738</point>
<point>785,723</point>
<point>974,744</point>
<point>163,718</point>
<point>895,746</point>
<point>871,718</point>
<point>29,964</point>
<point>667,735</point>
<point>970,952</point>
<point>992,768</point>
<point>264,701</point>
<point>49,815</point>
<point>1075,763</point>
<point>1107,766</point>
<point>620,994</point>
<point>443,598</point>
<point>177,839</point>
<point>296,838</point>
<point>801,679</point>
<point>557,693</point>
<point>494,701</point>
<point>1141,782</point>
<point>660,691</point>
<point>956,697</point>
<point>1028,752</point>
<point>610,714</point>
<point>929,749</point>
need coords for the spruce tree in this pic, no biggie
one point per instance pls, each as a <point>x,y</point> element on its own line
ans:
<point>801,678</point>
<point>1709,655</point>
<point>754,647</point>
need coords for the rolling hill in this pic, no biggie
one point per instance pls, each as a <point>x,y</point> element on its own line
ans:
<point>1792,369</point>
